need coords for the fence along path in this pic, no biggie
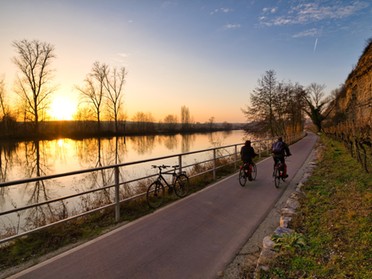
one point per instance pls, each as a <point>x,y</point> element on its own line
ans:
<point>195,237</point>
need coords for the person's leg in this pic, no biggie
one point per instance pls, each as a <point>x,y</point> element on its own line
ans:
<point>250,170</point>
<point>285,175</point>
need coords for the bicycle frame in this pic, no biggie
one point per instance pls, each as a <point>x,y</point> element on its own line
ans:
<point>278,164</point>
<point>155,192</point>
<point>278,172</point>
<point>247,171</point>
<point>162,178</point>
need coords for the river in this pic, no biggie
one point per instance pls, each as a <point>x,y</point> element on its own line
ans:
<point>23,160</point>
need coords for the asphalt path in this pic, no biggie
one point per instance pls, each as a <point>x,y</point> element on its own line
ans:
<point>195,237</point>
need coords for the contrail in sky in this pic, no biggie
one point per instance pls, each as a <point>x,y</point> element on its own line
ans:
<point>316,43</point>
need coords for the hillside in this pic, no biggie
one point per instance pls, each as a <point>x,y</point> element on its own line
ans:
<point>351,118</point>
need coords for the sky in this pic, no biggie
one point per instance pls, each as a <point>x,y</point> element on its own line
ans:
<point>205,55</point>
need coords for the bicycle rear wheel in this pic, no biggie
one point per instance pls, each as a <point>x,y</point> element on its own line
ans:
<point>181,185</point>
<point>155,194</point>
<point>277,177</point>
<point>254,171</point>
<point>242,177</point>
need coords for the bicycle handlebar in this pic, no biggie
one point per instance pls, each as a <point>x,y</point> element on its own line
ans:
<point>164,166</point>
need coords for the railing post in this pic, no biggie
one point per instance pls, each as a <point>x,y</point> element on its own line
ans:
<point>117,196</point>
<point>214,163</point>
<point>180,162</point>
<point>236,157</point>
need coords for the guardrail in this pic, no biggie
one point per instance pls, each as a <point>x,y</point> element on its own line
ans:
<point>211,161</point>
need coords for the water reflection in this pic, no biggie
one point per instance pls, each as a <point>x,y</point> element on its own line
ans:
<point>39,158</point>
<point>36,165</point>
<point>142,145</point>
<point>187,140</point>
<point>170,142</point>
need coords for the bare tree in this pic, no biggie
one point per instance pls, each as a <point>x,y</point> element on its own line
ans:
<point>185,118</point>
<point>93,91</point>
<point>211,123</point>
<point>8,121</point>
<point>114,84</point>
<point>144,122</point>
<point>317,104</point>
<point>296,119</point>
<point>170,122</point>
<point>33,84</point>
<point>4,108</point>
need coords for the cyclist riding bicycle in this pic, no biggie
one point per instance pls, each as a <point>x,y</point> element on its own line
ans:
<point>247,154</point>
<point>280,149</point>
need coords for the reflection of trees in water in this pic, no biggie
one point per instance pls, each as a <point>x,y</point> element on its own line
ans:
<point>143,144</point>
<point>170,142</point>
<point>217,139</point>
<point>8,158</point>
<point>99,178</point>
<point>187,140</point>
<point>107,152</point>
<point>36,165</point>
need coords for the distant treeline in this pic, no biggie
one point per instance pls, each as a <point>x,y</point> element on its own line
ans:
<point>11,130</point>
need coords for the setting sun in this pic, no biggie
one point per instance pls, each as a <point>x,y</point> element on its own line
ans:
<point>62,109</point>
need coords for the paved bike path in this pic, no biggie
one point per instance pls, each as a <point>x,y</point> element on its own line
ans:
<point>195,237</point>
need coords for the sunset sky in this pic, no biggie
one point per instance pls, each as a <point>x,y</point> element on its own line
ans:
<point>205,55</point>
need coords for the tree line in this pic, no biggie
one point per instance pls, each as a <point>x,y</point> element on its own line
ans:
<point>101,101</point>
<point>283,108</point>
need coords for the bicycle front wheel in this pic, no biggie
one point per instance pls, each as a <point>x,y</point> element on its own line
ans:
<point>254,171</point>
<point>155,194</point>
<point>181,185</point>
<point>277,177</point>
<point>242,177</point>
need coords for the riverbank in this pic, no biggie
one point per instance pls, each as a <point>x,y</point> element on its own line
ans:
<point>73,129</point>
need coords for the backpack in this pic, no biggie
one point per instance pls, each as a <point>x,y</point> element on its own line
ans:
<point>278,147</point>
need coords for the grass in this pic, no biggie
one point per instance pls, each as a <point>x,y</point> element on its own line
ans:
<point>334,220</point>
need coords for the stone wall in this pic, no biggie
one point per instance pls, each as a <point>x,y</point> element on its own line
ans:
<point>268,252</point>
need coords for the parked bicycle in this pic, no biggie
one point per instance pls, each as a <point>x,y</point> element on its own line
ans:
<point>247,171</point>
<point>278,173</point>
<point>156,191</point>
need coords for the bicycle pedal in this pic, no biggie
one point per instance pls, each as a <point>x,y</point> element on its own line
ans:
<point>170,191</point>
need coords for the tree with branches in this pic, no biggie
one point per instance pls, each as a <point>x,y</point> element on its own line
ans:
<point>114,85</point>
<point>33,84</point>
<point>93,91</point>
<point>262,108</point>
<point>185,118</point>
<point>276,107</point>
<point>316,104</point>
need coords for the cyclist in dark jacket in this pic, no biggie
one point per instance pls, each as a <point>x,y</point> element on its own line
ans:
<point>247,154</point>
<point>280,149</point>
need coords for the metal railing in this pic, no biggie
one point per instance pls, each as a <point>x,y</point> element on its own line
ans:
<point>228,155</point>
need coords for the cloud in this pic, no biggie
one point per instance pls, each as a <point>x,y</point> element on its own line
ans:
<point>231,26</point>
<point>221,10</point>
<point>123,55</point>
<point>313,32</point>
<point>310,12</point>
<point>270,10</point>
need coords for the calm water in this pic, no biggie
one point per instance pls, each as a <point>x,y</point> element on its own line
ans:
<point>33,159</point>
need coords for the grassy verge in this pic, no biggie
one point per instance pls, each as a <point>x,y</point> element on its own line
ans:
<point>334,222</point>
